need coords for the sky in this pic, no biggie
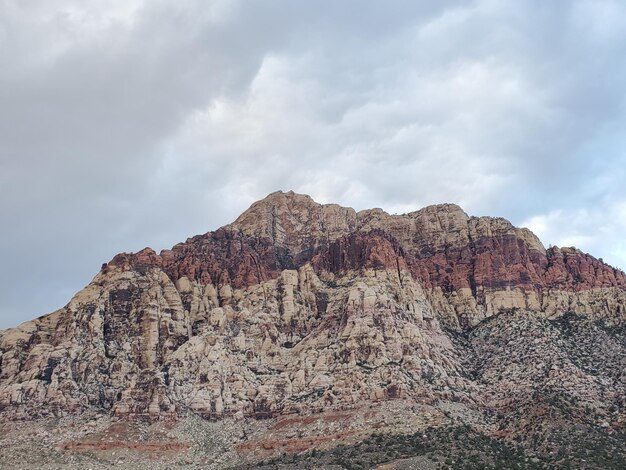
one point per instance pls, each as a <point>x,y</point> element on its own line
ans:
<point>130,123</point>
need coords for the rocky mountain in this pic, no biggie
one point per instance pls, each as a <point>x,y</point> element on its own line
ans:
<point>298,312</point>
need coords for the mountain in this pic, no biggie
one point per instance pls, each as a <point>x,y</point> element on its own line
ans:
<point>428,338</point>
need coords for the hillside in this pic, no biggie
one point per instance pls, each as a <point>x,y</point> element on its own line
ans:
<point>430,339</point>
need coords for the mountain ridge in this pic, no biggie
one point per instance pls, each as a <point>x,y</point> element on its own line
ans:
<point>298,308</point>
<point>302,226</point>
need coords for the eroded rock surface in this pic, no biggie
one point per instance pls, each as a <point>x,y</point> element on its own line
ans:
<point>298,307</point>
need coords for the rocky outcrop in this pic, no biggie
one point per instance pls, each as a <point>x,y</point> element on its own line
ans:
<point>129,344</point>
<point>471,267</point>
<point>295,224</point>
<point>359,251</point>
<point>296,307</point>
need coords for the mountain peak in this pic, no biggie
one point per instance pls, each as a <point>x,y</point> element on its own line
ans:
<point>294,220</point>
<point>299,307</point>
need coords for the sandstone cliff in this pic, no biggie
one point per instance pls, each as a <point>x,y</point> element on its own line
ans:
<point>298,307</point>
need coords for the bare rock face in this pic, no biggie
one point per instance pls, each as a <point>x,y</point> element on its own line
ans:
<point>471,267</point>
<point>295,224</point>
<point>298,307</point>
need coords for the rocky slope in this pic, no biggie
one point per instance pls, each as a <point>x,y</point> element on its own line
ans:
<point>299,308</point>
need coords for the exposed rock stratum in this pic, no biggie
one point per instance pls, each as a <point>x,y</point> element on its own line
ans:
<point>299,308</point>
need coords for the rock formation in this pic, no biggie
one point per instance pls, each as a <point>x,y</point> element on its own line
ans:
<point>298,307</point>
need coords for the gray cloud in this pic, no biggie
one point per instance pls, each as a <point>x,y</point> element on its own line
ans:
<point>144,123</point>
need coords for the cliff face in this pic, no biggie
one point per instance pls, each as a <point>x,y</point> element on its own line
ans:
<point>297,307</point>
<point>471,267</point>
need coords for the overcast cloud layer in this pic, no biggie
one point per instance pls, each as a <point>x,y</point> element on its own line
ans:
<point>143,123</point>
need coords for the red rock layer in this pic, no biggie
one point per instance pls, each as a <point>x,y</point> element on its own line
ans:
<point>570,269</point>
<point>358,251</point>
<point>224,257</point>
<point>220,257</point>
<point>506,261</point>
<point>490,262</point>
<point>227,257</point>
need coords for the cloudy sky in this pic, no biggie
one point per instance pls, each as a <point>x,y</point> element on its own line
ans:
<point>130,123</point>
